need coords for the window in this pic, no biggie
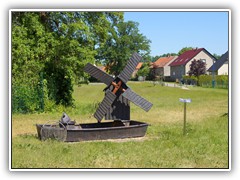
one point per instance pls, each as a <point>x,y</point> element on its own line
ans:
<point>203,60</point>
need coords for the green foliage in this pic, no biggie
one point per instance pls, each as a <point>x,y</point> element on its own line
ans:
<point>154,58</point>
<point>184,50</point>
<point>216,56</point>
<point>144,70</point>
<point>57,44</point>
<point>24,99</point>
<point>190,80</point>
<point>123,40</point>
<point>221,81</point>
<point>30,44</point>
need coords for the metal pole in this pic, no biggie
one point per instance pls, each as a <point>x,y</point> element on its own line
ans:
<point>184,122</point>
<point>213,75</point>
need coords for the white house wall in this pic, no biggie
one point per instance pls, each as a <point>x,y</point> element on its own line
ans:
<point>201,55</point>
<point>167,69</point>
<point>223,70</point>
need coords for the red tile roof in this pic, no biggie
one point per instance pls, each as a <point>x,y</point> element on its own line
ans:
<point>139,65</point>
<point>162,61</point>
<point>185,57</point>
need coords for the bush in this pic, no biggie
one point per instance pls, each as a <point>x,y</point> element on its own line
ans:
<point>221,81</point>
<point>144,70</point>
<point>30,99</point>
<point>25,99</point>
<point>189,80</point>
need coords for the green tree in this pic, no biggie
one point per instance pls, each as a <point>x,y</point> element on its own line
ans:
<point>30,45</point>
<point>184,50</point>
<point>154,58</point>
<point>144,70</point>
<point>30,51</point>
<point>216,56</point>
<point>124,39</point>
<point>57,45</point>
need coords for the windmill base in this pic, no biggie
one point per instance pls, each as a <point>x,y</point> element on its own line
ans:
<point>93,131</point>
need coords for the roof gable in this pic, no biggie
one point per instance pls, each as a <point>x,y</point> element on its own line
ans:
<point>220,62</point>
<point>162,61</point>
<point>185,57</point>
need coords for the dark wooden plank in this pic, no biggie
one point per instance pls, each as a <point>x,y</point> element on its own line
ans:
<point>125,75</point>
<point>98,74</point>
<point>137,100</point>
<point>105,105</point>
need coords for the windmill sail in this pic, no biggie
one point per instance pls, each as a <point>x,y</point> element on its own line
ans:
<point>138,100</point>
<point>105,105</point>
<point>125,75</point>
<point>98,74</point>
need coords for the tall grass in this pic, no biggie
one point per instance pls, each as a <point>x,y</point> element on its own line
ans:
<point>164,146</point>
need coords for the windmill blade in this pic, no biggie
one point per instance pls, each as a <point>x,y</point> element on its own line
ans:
<point>98,74</point>
<point>125,75</point>
<point>105,105</point>
<point>136,99</point>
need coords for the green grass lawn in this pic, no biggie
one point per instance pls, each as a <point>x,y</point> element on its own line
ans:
<point>164,146</point>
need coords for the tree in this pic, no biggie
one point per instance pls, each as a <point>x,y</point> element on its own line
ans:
<point>144,70</point>
<point>216,56</point>
<point>184,50</point>
<point>122,41</point>
<point>57,45</point>
<point>154,58</point>
<point>197,68</point>
<point>30,51</point>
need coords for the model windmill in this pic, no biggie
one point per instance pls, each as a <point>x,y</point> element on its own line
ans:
<point>115,104</point>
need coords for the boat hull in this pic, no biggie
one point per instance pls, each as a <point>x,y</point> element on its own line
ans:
<point>94,131</point>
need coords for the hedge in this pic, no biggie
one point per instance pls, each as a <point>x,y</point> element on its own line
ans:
<point>221,81</point>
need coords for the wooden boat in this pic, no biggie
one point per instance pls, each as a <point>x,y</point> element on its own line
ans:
<point>92,131</point>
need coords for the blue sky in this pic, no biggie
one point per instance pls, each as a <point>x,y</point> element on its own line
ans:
<point>171,31</point>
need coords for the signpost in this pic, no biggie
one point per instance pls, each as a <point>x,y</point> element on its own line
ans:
<point>185,101</point>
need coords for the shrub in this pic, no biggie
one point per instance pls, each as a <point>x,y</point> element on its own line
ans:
<point>189,80</point>
<point>221,81</point>
<point>25,99</point>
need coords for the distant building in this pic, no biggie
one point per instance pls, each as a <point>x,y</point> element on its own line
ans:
<point>161,66</point>
<point>220,67</point>
<point>181,65</point>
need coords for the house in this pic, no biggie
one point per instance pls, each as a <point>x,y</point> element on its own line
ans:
<point>161,66</point>
<point>181,65</point>
<point>221,65</point>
